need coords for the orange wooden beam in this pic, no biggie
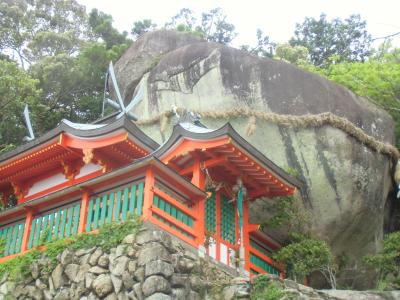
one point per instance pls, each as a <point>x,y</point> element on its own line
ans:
<point>84,211</point>
<point>27,230</point>
<point>148,193</point>
<point>205,164</point>
<point>190,145</point>
<point>67,140</point>
<point>199,180</point>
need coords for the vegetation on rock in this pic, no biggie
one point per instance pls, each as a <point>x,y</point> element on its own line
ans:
<point>386,262</point>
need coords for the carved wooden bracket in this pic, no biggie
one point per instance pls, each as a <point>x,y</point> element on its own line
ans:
<point>71,168</point>
<point>87,155</point>
<point>21,189</point>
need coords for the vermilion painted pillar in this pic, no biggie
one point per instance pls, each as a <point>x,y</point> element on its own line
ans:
<point>199,180</point>
<point>246,236</point>
<point>84,210</point>
<point>27,230</point>
<point>148,194</point>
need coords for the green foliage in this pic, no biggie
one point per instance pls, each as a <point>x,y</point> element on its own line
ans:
<point>377,79</point>
<point>346,40</point>
<point>263,48</point>
<point>34,29</point>
<point>141,27</point>
<point>264,289</point>
<point>17,88</point>
<point>101,25</point>
<point>305,255</point>
<point>213,25</point>
<point>297,55</point>
<point>108,236</point>
<point>285,211</point>
<point>386,262</point>
<point>19,267</point>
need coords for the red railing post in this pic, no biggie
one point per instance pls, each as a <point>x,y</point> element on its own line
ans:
<point>83,212</point>
<point>148,194</point>
<point>27,230</point>
<point>199,180</point>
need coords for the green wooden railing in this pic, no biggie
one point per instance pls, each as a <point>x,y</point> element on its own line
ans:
<point>173,211</point>
<point>114,206</point>
<point>11,238</point>
<point>210,214</point>
<point>228,226</point>
<point>261,263</point>
<point>58,224</point>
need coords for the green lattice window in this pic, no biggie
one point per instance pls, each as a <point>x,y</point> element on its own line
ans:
<point>210,215</point>
<point>228,228</point>
<point>254,259</point>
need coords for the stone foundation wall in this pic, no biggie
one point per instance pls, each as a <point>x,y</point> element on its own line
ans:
<point>149,266</point>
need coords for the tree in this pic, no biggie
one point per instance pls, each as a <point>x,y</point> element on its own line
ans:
<point>263,48</point>
<point>335,41</point>
<point>216,28</point>
<point>377,79</point>
<point>17,88</point>
<point>386,262</point>
<point>101,25</point>
<point>297,55</point>
<point>73,86</point>
<point>213,25</point>
<point>184,17</point>
<point>141,27</point>
<point>305,255</point>
<point>34,29</point>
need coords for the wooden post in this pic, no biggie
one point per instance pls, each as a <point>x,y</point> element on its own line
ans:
<point>199,180</point>
<point>246,236</point>
<point>27,230</point>
<point>83,212</point>
<point>148,194</point>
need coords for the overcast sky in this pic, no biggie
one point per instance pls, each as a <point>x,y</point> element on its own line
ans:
<point>276,18</point>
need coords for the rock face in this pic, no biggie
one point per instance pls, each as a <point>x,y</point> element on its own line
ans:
<point>347,183</point>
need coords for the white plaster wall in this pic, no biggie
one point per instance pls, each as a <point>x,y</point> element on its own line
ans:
<point>87,169</point>
<point>47,183</point>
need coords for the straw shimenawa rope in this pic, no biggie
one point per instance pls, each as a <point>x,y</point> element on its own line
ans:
<point>302,121</point>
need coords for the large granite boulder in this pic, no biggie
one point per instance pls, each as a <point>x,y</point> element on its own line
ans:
<point>347,183</point>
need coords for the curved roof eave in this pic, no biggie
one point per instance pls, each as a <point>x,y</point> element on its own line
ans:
<point>227,129</point>
<point>122,122</point>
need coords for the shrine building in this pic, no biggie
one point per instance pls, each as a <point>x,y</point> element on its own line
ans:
<point>197,186</point>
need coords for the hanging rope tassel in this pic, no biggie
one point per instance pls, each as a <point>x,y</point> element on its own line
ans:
<point>163,122</point>
<point>251,126</point>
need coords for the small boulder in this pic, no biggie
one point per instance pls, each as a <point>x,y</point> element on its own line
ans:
<point>153,251</point>
<point>58,277</point>
<point>158,267</point>
<point>103,261</point>
<point>159,296</point>
<point>71,271</point>
<point>118,265</point>
<point>117,283</point>
<point>154,284</point>
<point>98,270</point>
<point>66,257</point>
<point>102,285</point>
<point>95,256</point>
